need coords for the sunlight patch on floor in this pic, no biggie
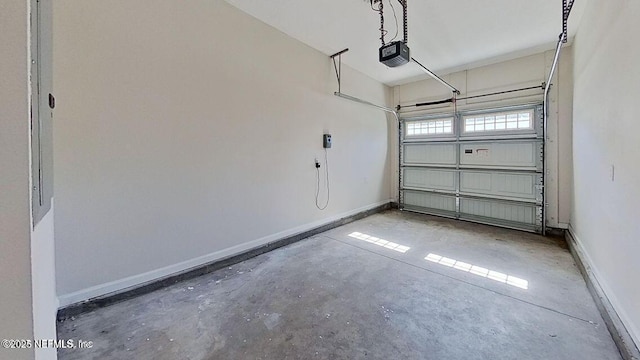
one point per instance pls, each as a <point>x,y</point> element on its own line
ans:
<point>479,271</point>
<point>380,242</point>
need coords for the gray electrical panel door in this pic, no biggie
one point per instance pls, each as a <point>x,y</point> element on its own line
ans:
<point>484,166</point>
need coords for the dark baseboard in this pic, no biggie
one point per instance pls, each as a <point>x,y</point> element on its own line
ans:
<point>619,333</point>
<point>145,288</point>
<point>555,232</point>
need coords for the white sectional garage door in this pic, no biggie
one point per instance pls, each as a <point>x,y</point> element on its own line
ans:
<point>484,166</point>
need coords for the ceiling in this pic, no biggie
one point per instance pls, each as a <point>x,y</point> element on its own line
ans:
<point>445,36</point>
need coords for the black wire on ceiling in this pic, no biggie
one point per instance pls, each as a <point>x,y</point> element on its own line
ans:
<point>380,11</point>
<point>395,17</point>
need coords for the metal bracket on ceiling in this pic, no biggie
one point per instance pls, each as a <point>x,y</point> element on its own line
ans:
<point>338,67</point>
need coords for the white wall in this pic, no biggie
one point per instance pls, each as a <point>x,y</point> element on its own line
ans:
<point>16,318</point>
<point>187,131</point>
<point>522,72</point>
<point>605,134</point>
<point>45,301</point>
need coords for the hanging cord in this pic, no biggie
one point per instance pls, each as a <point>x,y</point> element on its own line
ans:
<point>379,10</point>
<point>395,17</point>
<point>326,164</point>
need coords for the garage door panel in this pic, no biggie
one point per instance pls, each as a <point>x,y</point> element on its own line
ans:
<point>516,154</point>
<point>492,172</point>
<point>429,179</point>
<point>428,200</point>
<point>510,212</point>
<point>430,154</point>
<point>523,186</point>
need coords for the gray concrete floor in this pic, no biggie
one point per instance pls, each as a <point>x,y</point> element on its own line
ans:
<point>335,296</point>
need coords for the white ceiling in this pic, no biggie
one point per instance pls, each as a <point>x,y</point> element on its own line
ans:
<point>445,36</point>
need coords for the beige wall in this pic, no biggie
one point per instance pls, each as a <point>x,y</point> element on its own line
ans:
<point>16,319</point>
<point>522,72</point>
<point>605,135</point>
<point>187,131</point>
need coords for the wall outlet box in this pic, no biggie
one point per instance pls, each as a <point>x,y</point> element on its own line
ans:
<point>326,141</point>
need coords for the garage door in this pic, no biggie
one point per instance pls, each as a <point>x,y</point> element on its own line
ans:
<point>483,166</point>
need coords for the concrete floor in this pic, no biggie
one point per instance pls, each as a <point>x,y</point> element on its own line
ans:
<point>336,296</point>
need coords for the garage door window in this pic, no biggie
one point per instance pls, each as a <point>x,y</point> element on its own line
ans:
<point>430,127</point>
<point>502,121</point>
